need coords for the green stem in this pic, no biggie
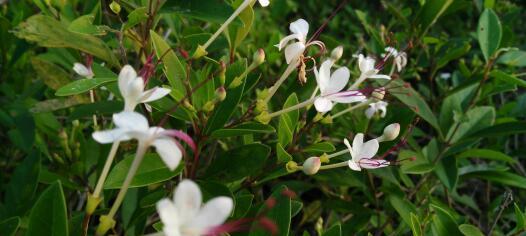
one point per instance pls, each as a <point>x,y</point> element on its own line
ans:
<point>357,82</point>
<point>106,169</point>
<point>332,166</point>
<point>345,151</point>
<point>292,108</point>
<point>352,108</point>
<point>292,66</point>
<point>241,7</point>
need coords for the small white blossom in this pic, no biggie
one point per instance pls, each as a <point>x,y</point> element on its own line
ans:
<point>400,58</point>
<point>133,125</point>
<point>132,89</point>
<point>299,29</point>
<point>362,154</point>
<point>331,85</point>
<point>368,69</point>
<point>82,70</point>
<point>373,108</point>
<point>184,215</point>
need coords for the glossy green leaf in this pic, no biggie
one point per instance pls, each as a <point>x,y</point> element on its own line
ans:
<point>403,207</point>
<point>48,215</point>
<point>136,17</point>
<point>319,148</point>
<point>151,171</point>
<point>20,189</point>
<point>486,154</point>
<point>173,68</point>
<point>247,18</point>
<point>447,171</point>
<point>502,129</point>
<point>505,178</point>
<point>416,226</point>
<point>48,32</point>
<point>288,121</point>
<point>513,58</point>
<point>84,25</point>
<point>520,219</point>
<point>430,12</point>
<point>507,78</point>
<point>335,230</point>
<point>205,10</point>
<point>474,120</point>
<point>82,86</point>
<point>283,155</point>
<point>243,129</point>
<point>489,33</point>
<point>470,230</point>
<point>280,214</point>
<point>443,222</point>
<point>243,204</point>
<point>8,227</point>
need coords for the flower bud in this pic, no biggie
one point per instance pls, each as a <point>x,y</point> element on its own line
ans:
<point>311,165</point>
<point>222,73</point>
<point>115,7</point>
<point>259,57</point>
<point>221,93</point>
<point>378,94</point>
<point>188,105</point>
<point>292,166</point>
<point>390,132</point>
<point>209,106</point>
<point>263,118</point>
<point>337,53</point>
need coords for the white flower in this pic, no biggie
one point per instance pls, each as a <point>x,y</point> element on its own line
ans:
<point>331,85</point>
<point>299,29</point>
<point>368,69</point>
<point>380,106</point>
<point>400,58</point>
<point>362,154</point>
<point>82,70</point>
<point>184,216</point>
<point>132,89</point>
<point>133,125</point>
<point>264,3</point>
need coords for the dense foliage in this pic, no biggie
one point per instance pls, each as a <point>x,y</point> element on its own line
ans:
<point>446,157</point>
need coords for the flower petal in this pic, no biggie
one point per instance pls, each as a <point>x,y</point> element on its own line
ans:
<point>169,152</point>
<point>264,3</point>
<point>168,214</point>
<point>322,104</point>
<point>368,149</point>
<point>353,165</point>
<point>154,94</point>
<point>285,40</point>
<point>379,77</point>
<point>369,112</point>
<point>293,51</point>
<point>126,75</point>
<point>300,26</point>
<point>339,79</point>
<point>110,136</point>
<point>130,120</point>
<point>373,163</point>
<point>324,75</point>
<point>188,199</point>
<point>357,143</point>
<point>346,142</point>
<point>213,213</point>
<point>347,97</point>
<point>82,70</point>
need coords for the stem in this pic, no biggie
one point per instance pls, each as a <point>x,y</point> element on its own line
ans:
<point>92,98</point>
<point>292,66</point>
<point>345,151</point>
<point>141,150</point>
<point>352,108</point>
<point>358,82</point>
<point>332,166</point>
<point>292,108</point>
<point>227,22</point>
<point>106,169</point>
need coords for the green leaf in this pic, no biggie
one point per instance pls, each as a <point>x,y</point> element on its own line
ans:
<point>136,17</point>
<point>151,171</point>
<point>503,129</point>
<point>226,108</point>
<point>520,219</point>
<point>283,155</point>
<point>8,227</point>
<point>474,120</point>
<point>416,226</point>
<point>49,214</point>
<point>513,58</point>
<point>238,163</point>
<point>507,78</point>
<point>23,184</point>
<point>243,129</point>
<point>321,147</point>
<point>48,32</point>
<point>470,230</point>
<point>452,52</point>
<point>288,121</point>
<point>82,86</point>
<point>489,32</point>
<point>84,25</point>
<point>430,12</point>
<point>206,10</point>
<point>243,204</point>
<point>447,171</point>
<point>52,75</point>
<point>173,68</point>
<point>443,222</point>
<point>506,178</point>
<point>335,230</point>
<point>403,207</point>
<point>247,18</point>
<point>279,214</point>
<point>486,154</point>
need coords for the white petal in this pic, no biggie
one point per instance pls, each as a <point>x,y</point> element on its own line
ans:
<point>373,163</point>
<point>154,94</point>
<point>131,121</point>
<point>213,213</point>
<point>293,51</point>
<point>188,199</point>
<point>369,149</point>
<point>126,75</point>
<point>346,142</point>
<point>134,89</point>
<point>353,165</point>
<point>379,77</point>
<point>168,214</point>
<point>369,112</point>
<point>264,3</point>
<point>110,136</point>
<point>338,80</point>
<point>82,70</point>
<point>322,104</point>
<point>169,152</point>
<point>357,146</point>
<point>285,40</point>
<point>347,97</point>
<point>366,64</point>
<point>300,26</point>
<point>324,76</point>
